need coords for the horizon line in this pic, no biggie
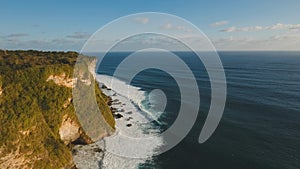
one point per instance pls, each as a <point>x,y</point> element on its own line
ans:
<point>223,50</point>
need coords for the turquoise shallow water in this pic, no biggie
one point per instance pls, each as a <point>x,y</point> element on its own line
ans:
<point>260,126</point>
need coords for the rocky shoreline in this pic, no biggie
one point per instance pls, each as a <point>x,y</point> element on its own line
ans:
<point>108,153</point>
<point>87,153</point>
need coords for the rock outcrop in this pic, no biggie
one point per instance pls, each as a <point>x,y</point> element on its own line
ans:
<point>70,131</point>
<point>39,125</point>
<point>92,66</point>
<point>62,80</point>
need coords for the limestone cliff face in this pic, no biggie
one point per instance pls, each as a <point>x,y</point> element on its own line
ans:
<point>37,114</point>
<point>70,131</point>
<point>91,67</point>
<point>62,80</point>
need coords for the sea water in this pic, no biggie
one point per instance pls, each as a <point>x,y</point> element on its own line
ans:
<point>259,128</point>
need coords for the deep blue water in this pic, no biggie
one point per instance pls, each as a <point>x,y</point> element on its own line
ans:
<point>260,127</point>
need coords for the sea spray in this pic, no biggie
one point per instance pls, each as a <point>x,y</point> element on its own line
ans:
<point>135,123</point>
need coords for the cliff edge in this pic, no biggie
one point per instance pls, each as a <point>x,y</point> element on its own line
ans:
<point>38,124</point>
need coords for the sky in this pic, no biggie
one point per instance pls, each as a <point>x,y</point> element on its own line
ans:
<point>229,25</point>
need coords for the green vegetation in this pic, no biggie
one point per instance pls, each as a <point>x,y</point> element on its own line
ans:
<point>31,109</point>
<point>102,101</point>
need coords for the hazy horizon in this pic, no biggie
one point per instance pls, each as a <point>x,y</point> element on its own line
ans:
<point>230,26</point>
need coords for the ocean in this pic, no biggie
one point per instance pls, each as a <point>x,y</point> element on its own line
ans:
<point>260,127</point>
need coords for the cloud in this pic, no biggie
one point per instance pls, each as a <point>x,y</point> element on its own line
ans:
<point>285,41</point>
<point>141,20</point>
<point>230,29</point>
<point>79,35</point>
<point>243,29</point>
<point>286,37</point>
<point>169,26</point>
<point>278,26</point>
<point>219,23</point>
<point>16,35</point>
<point>297,26</point>
<point>43,44</point>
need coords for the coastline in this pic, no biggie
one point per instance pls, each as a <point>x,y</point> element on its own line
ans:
<point>130,122</point>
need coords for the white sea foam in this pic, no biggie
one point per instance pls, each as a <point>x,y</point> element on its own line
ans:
<point>134,94</point>
<point>128,101</point>
<point>121,88</point>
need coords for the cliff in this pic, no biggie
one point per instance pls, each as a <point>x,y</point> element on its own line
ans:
<point>38,124</point>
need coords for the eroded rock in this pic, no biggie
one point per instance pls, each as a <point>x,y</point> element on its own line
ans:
<point>62,80</point>
<point>71,132</point>
<point>117,116</point>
